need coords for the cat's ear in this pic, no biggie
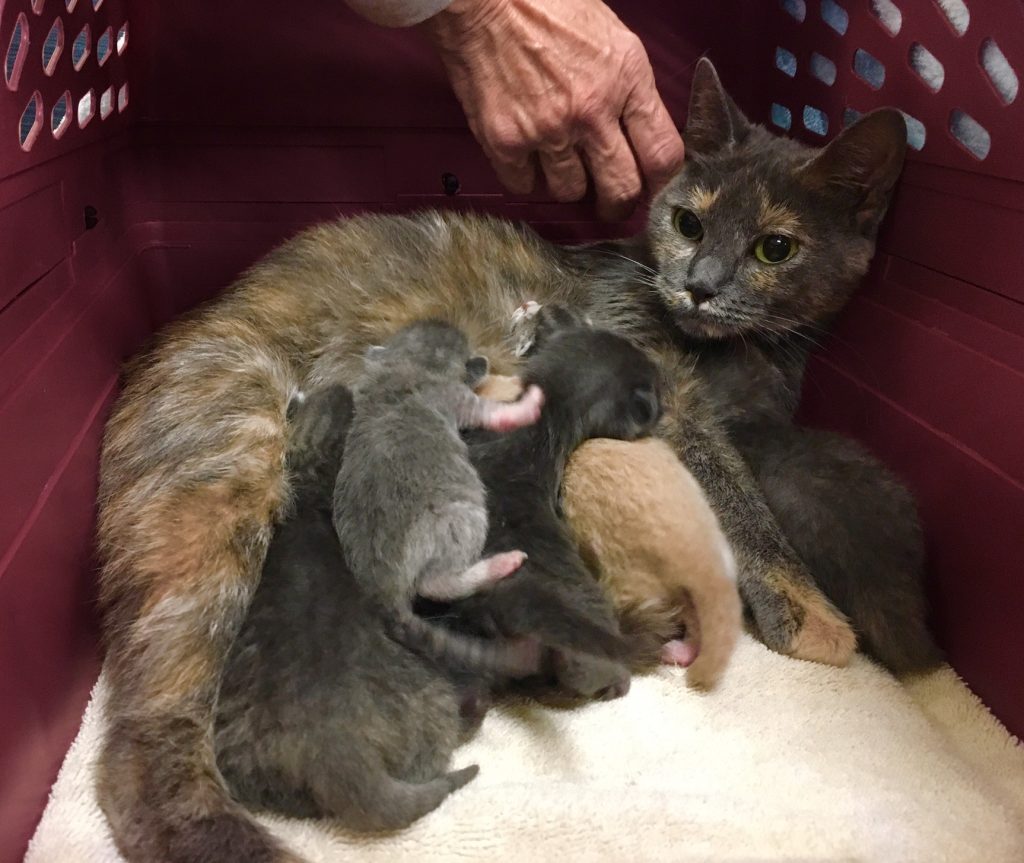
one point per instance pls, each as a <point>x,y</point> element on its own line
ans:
<point>863,162</point>
<point>476,370</point>
<point>552,319</point>
<point>713,120</point>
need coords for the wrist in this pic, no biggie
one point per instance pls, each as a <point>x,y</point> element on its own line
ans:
<point>461,20</point>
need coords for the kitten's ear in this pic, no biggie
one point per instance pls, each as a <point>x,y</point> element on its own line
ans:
<point>864,161</point>
<point>476,370</point>
<point>713,120</point>
<point>552,319</point>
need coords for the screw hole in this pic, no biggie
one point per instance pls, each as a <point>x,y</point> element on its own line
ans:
<point>450,183</point>
<point>92,217</point>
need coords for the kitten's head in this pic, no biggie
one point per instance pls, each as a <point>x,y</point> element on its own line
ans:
<point>760,233</point>
<point>592,378</point>
<point>427,347</point>
<point>319,422</point>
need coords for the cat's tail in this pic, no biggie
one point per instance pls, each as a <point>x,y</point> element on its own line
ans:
<point>507,657</point>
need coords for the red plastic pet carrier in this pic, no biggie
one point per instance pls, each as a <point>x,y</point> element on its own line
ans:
<point>150,151</point>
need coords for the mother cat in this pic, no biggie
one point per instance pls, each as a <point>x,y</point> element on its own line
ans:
<point>757,240</point>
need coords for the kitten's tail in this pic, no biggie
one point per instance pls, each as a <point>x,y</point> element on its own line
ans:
<point>718,613</point>
<point>386,803</point>
<point>711,611</point>
<point>511,657</point>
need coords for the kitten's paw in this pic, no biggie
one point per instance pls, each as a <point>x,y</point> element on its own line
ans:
<point>526,411</point>
<point>502,565</point>
<point>796,619</point>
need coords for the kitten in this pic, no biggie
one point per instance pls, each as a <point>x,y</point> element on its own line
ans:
<point>645,528</point>
<point>192,476</point>
<point>320,713</point>
<point>409,508</point>
<point>596,384</point>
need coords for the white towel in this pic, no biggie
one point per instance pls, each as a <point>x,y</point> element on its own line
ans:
<point>786,760</point>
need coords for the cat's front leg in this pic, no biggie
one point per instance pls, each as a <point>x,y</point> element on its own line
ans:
<point>791,614</point>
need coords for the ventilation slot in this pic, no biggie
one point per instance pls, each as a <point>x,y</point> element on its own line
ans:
<point>957,14</point>
<point>70,5</point>
<point>106,103</point>
<point>37,6</point>
<point>31,122</point>
<point>970,134</point>
<point>86,109</point>
<point>869,69</point>
<point>927,67</point>
<point>80,48</point>
<point>52,47</point>
<point>96,4</point>
<point>14,59</point>
<point>797,9</point>
<point>122,39</point>
<point>835,16</point>
<point>60,115</point>
<point>888,15</point>
<point>850,116</point>
<point>104,45</point>
<point>916,133</point>
<point>999,70</point>
<point>122,98</point>
<point>785,61</point>
<point>782,116</point>
<point>815,120</point>
<point>823,69</point>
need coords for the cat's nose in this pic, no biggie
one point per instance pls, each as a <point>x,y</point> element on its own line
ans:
<point>705,279</point>
<point>700,293</point>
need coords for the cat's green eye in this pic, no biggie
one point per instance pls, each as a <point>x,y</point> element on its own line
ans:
<point>775,248</point>
<point>687,223</point>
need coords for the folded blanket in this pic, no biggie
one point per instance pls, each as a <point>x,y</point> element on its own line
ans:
<point>786,760</point>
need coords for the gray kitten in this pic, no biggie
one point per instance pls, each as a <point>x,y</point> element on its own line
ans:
<point>409,508</point>
<point>320,713</point>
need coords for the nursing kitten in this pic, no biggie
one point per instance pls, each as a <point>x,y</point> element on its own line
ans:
<point>320,713</point>
<point>596,384</point>
<point>192,477</point>
<point>646,530</point>
<point>409,508</point>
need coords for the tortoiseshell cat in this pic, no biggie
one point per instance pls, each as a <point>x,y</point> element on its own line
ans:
<point>756,240</point>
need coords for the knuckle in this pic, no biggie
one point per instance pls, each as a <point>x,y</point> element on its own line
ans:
<point>665,156</point>
<point>505,137</point>
<point>624,193</point>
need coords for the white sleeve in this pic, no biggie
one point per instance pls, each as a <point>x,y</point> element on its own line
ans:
<point>397,13</point>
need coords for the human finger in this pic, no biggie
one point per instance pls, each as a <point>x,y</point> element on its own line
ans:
<point>614,171</point>
<point>566,177</point>
<point>656,141</point>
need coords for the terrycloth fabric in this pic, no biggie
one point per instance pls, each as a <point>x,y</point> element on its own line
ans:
<point>785,761</point>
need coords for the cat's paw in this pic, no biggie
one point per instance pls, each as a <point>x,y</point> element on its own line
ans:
<point>796,619</point>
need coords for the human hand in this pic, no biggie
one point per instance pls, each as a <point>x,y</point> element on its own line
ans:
<point>562,82</point>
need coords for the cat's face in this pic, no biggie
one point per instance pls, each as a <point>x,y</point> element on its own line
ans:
<point>761,234</point>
